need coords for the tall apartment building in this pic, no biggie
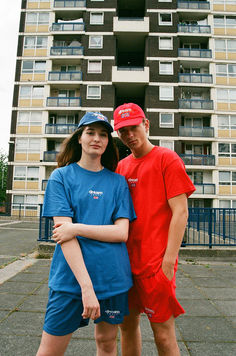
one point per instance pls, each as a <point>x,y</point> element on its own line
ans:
<point>175,58</point>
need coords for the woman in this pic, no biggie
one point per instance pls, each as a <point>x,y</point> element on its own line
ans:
<point>90,272</point>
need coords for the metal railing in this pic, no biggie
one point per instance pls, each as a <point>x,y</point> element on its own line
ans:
<point>198,160</point>
<point>68,26</point>
<point>195,52</point>
<point>69,3</point>
<point>196,131</point>
<point>19,210</point>
<point>195,78</point>
<point>205,227</point>
<point>66,51</point>
<point>60,128</point>
<point>75,75</point>
<point>63,101</point>
<point>196,104</point>
<point>186,28</point>
<point>196,5</point>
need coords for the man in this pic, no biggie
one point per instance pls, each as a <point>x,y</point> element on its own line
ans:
<point>159,187</point>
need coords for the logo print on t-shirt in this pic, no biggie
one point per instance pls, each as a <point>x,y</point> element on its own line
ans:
<point>132,182</point>
<point>95,194</point>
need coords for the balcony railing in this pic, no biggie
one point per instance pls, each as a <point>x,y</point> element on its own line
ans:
<point>64,102</point>
<point>196,131</point>
<point>195,78</point>
<point>69,3</point>
<point>204,188</point>
<point>67,51</point>
<point>68,26</point>
<point>44,184</point>
<point>60,128</point>
<point>196,104</point>
<point>197,5</point>
<point>50,156</point>
<point>65,76</point>
<point>195,52</point>
<point>198,160</point>
<point>194,28</point>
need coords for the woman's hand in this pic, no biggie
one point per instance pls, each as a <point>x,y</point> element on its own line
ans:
<point>63,232</point>
<point>91,304</point>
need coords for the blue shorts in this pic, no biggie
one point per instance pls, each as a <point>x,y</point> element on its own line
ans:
<point>63,313</point>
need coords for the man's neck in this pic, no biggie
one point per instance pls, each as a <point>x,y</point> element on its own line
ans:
<point>143,150</point>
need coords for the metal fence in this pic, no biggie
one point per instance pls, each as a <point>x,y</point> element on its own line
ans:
<point>20,210</point>
<point>205,227</point>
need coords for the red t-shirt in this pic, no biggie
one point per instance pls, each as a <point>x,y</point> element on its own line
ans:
<point>153,179</point>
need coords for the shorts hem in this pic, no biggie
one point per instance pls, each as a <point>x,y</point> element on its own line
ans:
<point>164,319</point>
<point>62,333</point>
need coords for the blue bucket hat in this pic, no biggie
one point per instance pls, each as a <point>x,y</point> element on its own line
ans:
<point>91,117</point>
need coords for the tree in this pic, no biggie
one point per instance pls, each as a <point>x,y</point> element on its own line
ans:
<point>3,175</point>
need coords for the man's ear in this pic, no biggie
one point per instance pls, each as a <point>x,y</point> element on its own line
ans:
<point>147,125</point>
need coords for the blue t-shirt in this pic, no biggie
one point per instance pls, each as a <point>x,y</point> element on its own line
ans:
<point>93,198</point>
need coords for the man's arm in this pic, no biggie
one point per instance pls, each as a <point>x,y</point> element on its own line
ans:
<point>73,255</point>
<point>106,233</point>
<point>179,208</point>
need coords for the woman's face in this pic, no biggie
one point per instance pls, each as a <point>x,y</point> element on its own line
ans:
<point>94,139</point>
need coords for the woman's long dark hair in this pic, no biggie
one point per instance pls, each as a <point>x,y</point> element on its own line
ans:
<point>71,151</point>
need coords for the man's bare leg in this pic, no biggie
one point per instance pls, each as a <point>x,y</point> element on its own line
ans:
<point>131,343</point>
<point>105,336</point>
<point>165,338</point>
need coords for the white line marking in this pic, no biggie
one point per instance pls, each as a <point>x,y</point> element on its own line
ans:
<point>15,267</point>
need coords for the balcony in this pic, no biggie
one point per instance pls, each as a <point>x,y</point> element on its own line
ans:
<point>64,129</point>
<point>185,28</point>
<point>44,184</point>
<point>130,74</point>
<point>67,26</point>
<point>132,24</point>
<point>204,188</point>
<point>67,51</point>
<point>194,52</point>
<point>65,76</point>
<point>195,78</point>
<point>198,160</point>
<point>63,101</point>
<point>196,131</point>
<point>195,5</point>
<point>50,156</point>
<point>69,3</point>
<point>196,104</point>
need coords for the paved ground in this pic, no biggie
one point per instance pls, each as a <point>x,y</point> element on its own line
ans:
<point>207,290</point>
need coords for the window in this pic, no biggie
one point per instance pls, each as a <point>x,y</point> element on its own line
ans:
<point>166,68</point>
<point>227,178</point>
<point>226,95</point>
<point>166,93</point>
<point>39,18</point>
<point>33,66</point>
<point>94,66</point>
<point>26,173</point>
<point>226,70</point>
<point>165,43</point>
<point>167,144</point>
<point>28,145</point>
<point>227,149</point>
<point>225,21</point>
<point>227,122</point>
<point>93,92</point>
<point>225,45</point>
<point>96,18</point>
<point>95,41</point>
<point>165,0</point>
<point>29,202</point>
<point>31,92</point>
<point>165,19</point>
<point>196,177</point>
<point>29,118</point>
<point>32,42</point>
<point>224,204</point>
<point>166,120</point>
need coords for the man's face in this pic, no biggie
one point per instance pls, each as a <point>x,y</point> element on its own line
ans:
<point>134,136</point>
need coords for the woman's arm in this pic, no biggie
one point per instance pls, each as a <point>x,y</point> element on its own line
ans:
<point>73,255</point>
<point>106,233</point>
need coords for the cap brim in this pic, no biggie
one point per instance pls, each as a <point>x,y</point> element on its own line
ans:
<point>108,126</point>
<point>131,122</point>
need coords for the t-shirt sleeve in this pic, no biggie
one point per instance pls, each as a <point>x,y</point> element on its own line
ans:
<point>56,200</point>
<point>124,204</point>
<point>176,179</point>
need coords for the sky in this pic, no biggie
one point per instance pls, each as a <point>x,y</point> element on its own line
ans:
<point>9,29</point>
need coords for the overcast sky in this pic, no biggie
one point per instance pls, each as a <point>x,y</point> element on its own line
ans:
<point>9,27</point>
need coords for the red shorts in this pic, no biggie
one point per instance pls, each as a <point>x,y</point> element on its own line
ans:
<point>155,296</point>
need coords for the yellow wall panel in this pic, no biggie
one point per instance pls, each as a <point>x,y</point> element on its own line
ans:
<point>22,129</point>
<point>232,106</point>
<point>30,28</point>
<point>218,7</point>
<point>230,8</point>
<point>219,31</point>
<point>220,55</point>
<point>41,52</point>
<point>232,55</point>
<point>32,185</point>
<point>231,31</point>
<point>223,161</point>
<point>233,133</point>
<point>29,212</point>
<point>223,133</point>
<point>42,28</point>
<point>232,81</point>
<point>24,102</point>
<point>28,52</point>
<point>32,5</point>
<point>37,102</point>
<point>233,161</point>
<point>36,129</point>
<point>26,77</point>
<point>44,5</point>
<point>224,189</point>
<point>19,184</point>
<point>34,156</point>
<point>222,106</point>
<point>233,189</point>
<point>221,80</point>
<point>39,77</point>
<point>21,157</point>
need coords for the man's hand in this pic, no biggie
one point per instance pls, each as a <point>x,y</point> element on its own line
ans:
<point>91,304</point>
<point>63,232</point>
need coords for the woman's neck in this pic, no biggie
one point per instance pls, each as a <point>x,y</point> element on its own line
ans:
<point>91,164</point>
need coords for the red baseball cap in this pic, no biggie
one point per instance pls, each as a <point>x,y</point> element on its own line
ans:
<point>128,115</point>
